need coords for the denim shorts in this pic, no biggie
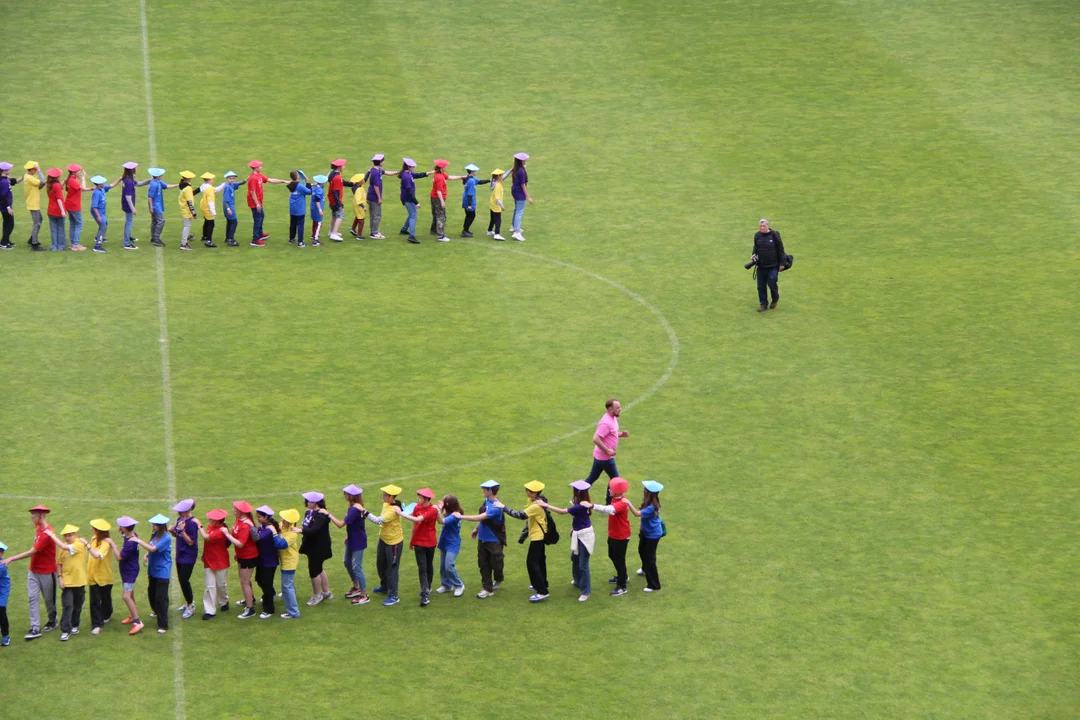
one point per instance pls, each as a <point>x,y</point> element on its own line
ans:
<point>128,587</point>
<point>339,213</point>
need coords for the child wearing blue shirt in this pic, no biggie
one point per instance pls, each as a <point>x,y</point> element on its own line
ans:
<point>5,591</point>
<point>228,202</point>
<point>297,211</point>
<point>155,198</point>
<point>158,569</point>
<point>450,513</point>
<point>97,208</point>
<point>317,197</point>
<point>468,197</point>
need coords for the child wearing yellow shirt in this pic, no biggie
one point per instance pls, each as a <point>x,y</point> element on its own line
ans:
<point>391,540</point>
<point>72,562</point>
<point>208,208</point>
<point>99,574</point>
<point>289,558</point>
<point>187,207</point>
<point>359,204</point>
<point>495,205</point>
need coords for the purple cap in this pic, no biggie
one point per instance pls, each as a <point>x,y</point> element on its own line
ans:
<point>378,157</point>
<point>130,165</point>
<point>580,485</point>
<point>265,510</point>
<point>6,166</point>
<point>353,489</point>
<point>126,521</point>
<point>184,505</point>
<point>521,156</point>
<point>312,496</point>
<point>409,162</point>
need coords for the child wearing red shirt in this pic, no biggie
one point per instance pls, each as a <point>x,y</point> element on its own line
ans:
<point>423,542</point>
<point>618,531</point>
<point>75,186</point>
<point>438,201</point>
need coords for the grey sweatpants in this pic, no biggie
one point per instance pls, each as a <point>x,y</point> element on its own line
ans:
<point>35,215</point>
<point>375,211</point>
<point>38,587</point>
<point>157,224</point>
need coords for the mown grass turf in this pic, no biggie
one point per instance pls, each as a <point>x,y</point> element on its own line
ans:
<point>870,490</point>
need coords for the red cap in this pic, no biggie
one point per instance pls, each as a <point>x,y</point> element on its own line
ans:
<point>218,515</point>
<point>255,164</point>
<point>340,162</point>
<point>53,172</point>
<point>618,486</point>
<point>426,492</point>
<point>40,508</point>
<point>242,506</point>
<point>74,167</point>
<point>440,163</point>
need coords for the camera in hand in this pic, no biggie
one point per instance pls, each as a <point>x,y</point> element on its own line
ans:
<point>750,264</point>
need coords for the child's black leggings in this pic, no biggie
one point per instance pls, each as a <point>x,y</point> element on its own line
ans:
<point>495,223</point>
<point>4,629</point>
<point>469,217</point>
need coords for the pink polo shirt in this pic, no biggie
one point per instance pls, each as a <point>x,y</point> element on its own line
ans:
<point>608,430</point>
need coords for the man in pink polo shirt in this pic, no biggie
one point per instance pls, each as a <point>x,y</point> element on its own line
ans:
<point>606,441</point>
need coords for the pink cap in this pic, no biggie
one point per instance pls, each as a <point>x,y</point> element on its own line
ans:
<point>618,486</point>
<point>426,492</point>
<point>340,162</point>
<point>521,156</point>
<point>377,157</point>
<point>242,506</point>
<point>130,165</point>
<point>440,163</point>
<point>74,167</point>
<point>255,164</point>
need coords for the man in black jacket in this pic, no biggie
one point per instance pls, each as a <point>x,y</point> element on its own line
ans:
<point>769,253</point>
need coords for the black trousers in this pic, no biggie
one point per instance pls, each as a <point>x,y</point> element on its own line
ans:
<point>183,573</point>
<point>495,223</point>
<point>5,629</point>
<point>157,592</point>
<point>766,278</point>
<point>536,562</point>
<point>470,215</point>
<point>296,227</point>
<point>72,599</point>
<point>100,604</point>
<point>647,551</point>
<point>9,225</point>
<point>207,230</point>
<point>264,578</point>
<point>616,551</point>
<point>387,564</point>
<point>425,565</point>
<point>489,556</point>
<point>230,228</point>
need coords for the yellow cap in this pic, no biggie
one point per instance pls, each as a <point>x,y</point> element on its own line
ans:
<point>30,165</point>
<point>535,486</point>
<point>101,524</point>
<point>208,176</point>
<point>290,515</point>
<point>68,529</point>
<point>497,171</point>
<point>187,174</point>
<point>391,489</point>
<point>357,178</point>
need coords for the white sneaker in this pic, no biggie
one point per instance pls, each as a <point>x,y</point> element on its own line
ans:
<point>263,616</point>
<point>484,594</point>
<point>646,589</point>
<point>95,631</point>
<point>315,600</point>
<point>239,603</point>
<point>442,239</point>
<point>583,598</point>
<point>497,236</point>
<point>161,631</point>
<point>442,589</point>
<point>495,586</point>
<point>640,571</point>
<point>287,616</point>
<point>490,232</point>
<point>328,596</point>
<point>519,237</point>
<point>182,608</point>
<point>335,236</point>
<point>574,583</point>
<point>459,591</point>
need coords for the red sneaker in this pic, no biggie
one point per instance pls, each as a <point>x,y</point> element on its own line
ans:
<point>258,243</point>
<point>127,621</point>
<point>264,236</point>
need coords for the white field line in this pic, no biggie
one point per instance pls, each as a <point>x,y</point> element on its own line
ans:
<point>166,377</point>
<point>673,339</point>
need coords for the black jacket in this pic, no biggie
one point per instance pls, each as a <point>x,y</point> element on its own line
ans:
<point>769,249</point>
<point>316,536</point>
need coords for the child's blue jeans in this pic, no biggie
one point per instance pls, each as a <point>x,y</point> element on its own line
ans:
<point>288,592</point>
<point>448,569</point>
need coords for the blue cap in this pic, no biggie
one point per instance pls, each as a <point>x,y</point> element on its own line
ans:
<point>471,168</point>
<point>2,547</point>
<point>652,486</point>
<point>229,174</point>
<point>489,484</point>
<point>156,172</point>
<point>320,179</point>
<point>159,519</point>
<point>98,179</point>
<point>409,508</point>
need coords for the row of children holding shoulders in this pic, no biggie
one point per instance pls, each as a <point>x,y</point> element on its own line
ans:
<point>328,187</point>
<point>262,545</point>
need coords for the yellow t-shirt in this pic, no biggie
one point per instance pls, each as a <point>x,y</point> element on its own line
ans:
<point>73,567</point>
<point>100,572</point>
<point>290,556</point>
<point>537,521</point>
<point>391,528</point>
<point>359,200</point>
<point>32,191</point>
<point>187,195</point>
<point>209,195</point>
<point>496,195</point>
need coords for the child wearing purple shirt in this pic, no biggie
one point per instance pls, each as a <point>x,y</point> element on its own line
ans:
<point>355,542</point>
<point>269,541</point>
<point>373,178</point>
<point>127,202</point>
<point>582,537</point>
<point>186,532</point>
<point>129,571</point>
<point>408,197</point>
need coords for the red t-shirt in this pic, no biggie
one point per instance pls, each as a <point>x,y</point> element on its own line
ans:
<point>423,532</point>
<point>43,562</point>
<point>255,189</point>
<point>56,199</point>
<point>74,194</point>
<point>215,554</point>
<point>618,525</point>
<point>337,185</point>
<point>242,532</point>
<point>438,184</point>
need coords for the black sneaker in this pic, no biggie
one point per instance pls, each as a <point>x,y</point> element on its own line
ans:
<point>225,607</point>
<point>403,232</point>
<point>316,243</point>
<point>49,626</point>
<point>466,234</point>
<point>208,616</point>
<point>613,580</point>
<point>131,246</point>
<point>618,591</point>
<point>248,613</point>
<point>7,246</point>
<point>299,243</point>
<point>424,601</point>
<point>184,246</point>
<point>232,243</point>
<point>36,247</point>
<point>34,634</point>
<point>97,248</point>
<point>157,243</point>
<point>190,238</point>
<point>209,243</point>
<point>413,240</point>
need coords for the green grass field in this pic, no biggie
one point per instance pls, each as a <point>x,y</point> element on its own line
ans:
<point>871,492</point>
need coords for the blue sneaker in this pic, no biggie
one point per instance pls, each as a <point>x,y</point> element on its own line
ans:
<point>390,601</point>
<point>538,598</point>
<point>98,248</point>
<point>381,590</point>
<point>5,641</point>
